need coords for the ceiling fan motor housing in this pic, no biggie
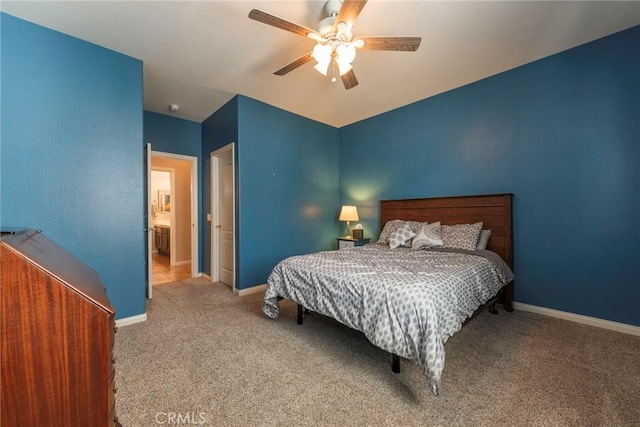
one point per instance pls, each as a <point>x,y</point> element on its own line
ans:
<point>332,7</point>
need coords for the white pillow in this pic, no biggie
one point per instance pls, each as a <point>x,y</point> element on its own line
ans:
<point>401,237</point>
<point>483,240</point>
<point>429,236</point>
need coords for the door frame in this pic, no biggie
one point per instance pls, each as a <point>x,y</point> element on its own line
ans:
<point>195,224</point>
<point>215,211</point>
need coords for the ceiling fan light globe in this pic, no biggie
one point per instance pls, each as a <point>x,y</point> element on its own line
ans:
<point>322,53</point>
<point>322,67</point>
<point>343,68</point>
<point>346,53</point>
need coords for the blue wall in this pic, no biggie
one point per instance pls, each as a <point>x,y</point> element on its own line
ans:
<point>563,135</point>
<point>288,188</point>
<point>71,156</point>
<point>173,135</point>
<point>286,184</point>
<point>178,136</point>
<point>219,130</point>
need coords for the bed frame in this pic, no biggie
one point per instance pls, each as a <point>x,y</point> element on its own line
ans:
<point>494,211</point>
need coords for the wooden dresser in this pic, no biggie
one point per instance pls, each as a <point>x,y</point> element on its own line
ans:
<point>58,331</point>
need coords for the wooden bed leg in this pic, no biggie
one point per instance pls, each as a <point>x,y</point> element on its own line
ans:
<point>492,309</point>
<point>299,314</point>
<point>508,297</point>
<point>395,364</point>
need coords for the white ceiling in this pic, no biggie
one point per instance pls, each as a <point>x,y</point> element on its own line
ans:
<point>200,54</point>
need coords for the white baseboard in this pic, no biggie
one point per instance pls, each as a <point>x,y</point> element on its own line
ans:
<point>183,262</point>
<point>579,318</point>
<point>126,321</point>
<point>251,290</point>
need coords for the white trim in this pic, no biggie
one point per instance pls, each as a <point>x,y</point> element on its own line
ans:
<point>251,290</point>
<point>183,262</point>
<point>149,225</point>
<point>126,321</point>
<point>579,318</point>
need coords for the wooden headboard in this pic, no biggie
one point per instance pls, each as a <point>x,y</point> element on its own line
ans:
<point>493,210</point>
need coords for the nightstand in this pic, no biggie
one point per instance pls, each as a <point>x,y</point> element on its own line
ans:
<point>349,242</point>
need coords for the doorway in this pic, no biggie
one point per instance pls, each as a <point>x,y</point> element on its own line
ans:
<point>172,190</point>
<point>223,259</point>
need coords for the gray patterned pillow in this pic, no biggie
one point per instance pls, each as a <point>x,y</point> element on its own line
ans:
<point>429,237</point>
<point>461,236</point>
<point>483,240</point>
<point>394,224</point>
<point>401,237</point>
<point>389,228</point>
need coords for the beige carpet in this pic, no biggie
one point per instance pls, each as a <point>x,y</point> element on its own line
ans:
<point>210,358</point>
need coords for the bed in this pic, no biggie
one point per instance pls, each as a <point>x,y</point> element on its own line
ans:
<point>408,301</point>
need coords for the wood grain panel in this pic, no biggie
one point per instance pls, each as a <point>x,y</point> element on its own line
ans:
<point>494,211</point>
<point>55,345</point>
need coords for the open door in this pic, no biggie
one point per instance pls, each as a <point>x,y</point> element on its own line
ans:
<point>148,219</point>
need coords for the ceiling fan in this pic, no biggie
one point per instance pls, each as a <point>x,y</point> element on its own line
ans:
<point>335,44</point>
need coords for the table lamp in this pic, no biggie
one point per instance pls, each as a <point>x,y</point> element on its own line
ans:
<point>348,213</point>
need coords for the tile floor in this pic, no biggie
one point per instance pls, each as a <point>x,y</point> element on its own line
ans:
<point>163,272</point>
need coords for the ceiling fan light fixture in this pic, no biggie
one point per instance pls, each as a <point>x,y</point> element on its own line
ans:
<point>345,53</point>
<point>325,27</point>
<point>343,67</point>
<point>322,67</point>
<point>322,53</point>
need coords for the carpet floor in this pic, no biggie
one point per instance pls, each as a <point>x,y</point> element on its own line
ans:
<point>207,357</point>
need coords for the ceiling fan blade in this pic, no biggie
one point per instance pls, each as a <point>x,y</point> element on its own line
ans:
<point>349,80</point>
<point>408,44</point>
<point>274,21</point>
<point>350,10</point>
<point>295,64</point>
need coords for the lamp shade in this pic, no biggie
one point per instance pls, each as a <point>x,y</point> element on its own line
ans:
<point>349,213</point>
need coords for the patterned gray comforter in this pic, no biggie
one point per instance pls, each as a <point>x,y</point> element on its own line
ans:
<point>407,302</point>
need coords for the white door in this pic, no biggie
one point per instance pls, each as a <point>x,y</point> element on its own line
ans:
<point>226,220</point>
<point>223,261</point>
<point>149,230</point>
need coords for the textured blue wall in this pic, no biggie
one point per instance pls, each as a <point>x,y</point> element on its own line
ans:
<point>173,135</point>
<point>563,135</point>
<point>288,187</point>
<point>219,130</point>
<point>72,152</point>
<point>286,184</point>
